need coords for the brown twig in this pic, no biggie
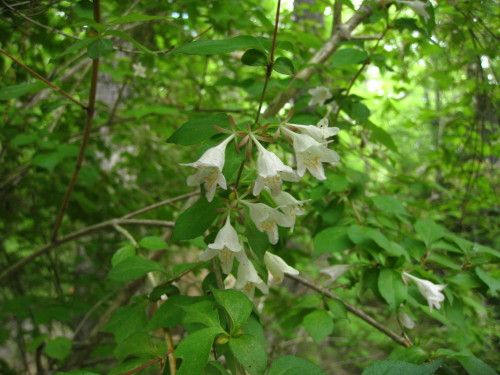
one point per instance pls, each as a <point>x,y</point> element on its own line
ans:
<point>55,87</point>
<point>70,237</point>
<point>86,134</point>
<point>354,310</point>
<point>331,45</point>
<point>269,67</point>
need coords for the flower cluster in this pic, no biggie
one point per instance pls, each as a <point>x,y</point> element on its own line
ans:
<point>310,145</point>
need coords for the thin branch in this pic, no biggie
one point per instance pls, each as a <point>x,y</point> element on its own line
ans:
<point>365,64</point>
<point>269,67</point>
<point>354,310</point>
<point>127,234</point>
<point>160,204</point>
<point>55,87</point>
<point>86,134</point>
<point>337,16</point>
<point>51,29</point>
<point>321,56</point>
<point>70,237</point>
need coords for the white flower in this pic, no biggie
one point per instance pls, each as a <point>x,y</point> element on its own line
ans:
<point>278,267</point>
<point>289,206</point>
<point>271,172</point>
<point>335,271</point>
<point>226,246</point>
<point>209,169</point>
<point>267,219</point>
<point>432,292</point>
<point>406,321</point>
<point>139,70</point>
<point>320,132</point>
<point>418,7</point>
<point>311,154</point>
<point>248,279</point>
<point>319,95</point>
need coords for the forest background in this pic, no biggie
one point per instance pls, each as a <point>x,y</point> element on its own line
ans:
<point>100,236</point>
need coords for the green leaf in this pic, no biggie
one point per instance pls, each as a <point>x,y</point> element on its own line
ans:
<point>237,305</point>
<point>128,365</point>
<point>250,353</point>
<point>283,65</point>
<point>153,243</point>
<point>319,324</point>
<point>348,56</point>
<point>128,38</point>
<point>134,18</point>
<point>78,45</point>
<point>138,344</point>
<point>59,348</point>
<point>413,354</point>
<point>122,253</point>
<point>392,288</point>
<point>390,247</point>
<point>212,47</point>
<point>195,349</point>
<point>380,135</point>
<point>492,282</point>
<point>10,92</point>
<point>98,48</point>
<point>171,312</point>
<point>198,130</point>
<point>474,366</point>
<point>215,368</point>
<point>429,231</point>
<point>389,205</point>
<point>332,240</point>
<point>132,268</point>
<point>254,57</point>
<point>127,320</point>
<point>47,160</point>
<point>77,372</point>
<point>150,110</point>
<point>390,367</point>
<point>291,365</point>
<point>196,219</point>
<point>202,312</point>
<point>337,308</point>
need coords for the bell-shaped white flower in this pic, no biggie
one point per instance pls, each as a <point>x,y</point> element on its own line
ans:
<point>289,206</point>
<point>311,154</point>
<point>267,219</point>
<point>277,267</point>
<point>319,132</point>
<point>226,246</point>
<point>248,279</point>
<point>431,291</point>
<point>406,321</point>
<point>319,95</point>
<point>335,271</point>
<point>418,7</point>
<point>209,169</point>
<point>271,171</point>
<point>139,70</point>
